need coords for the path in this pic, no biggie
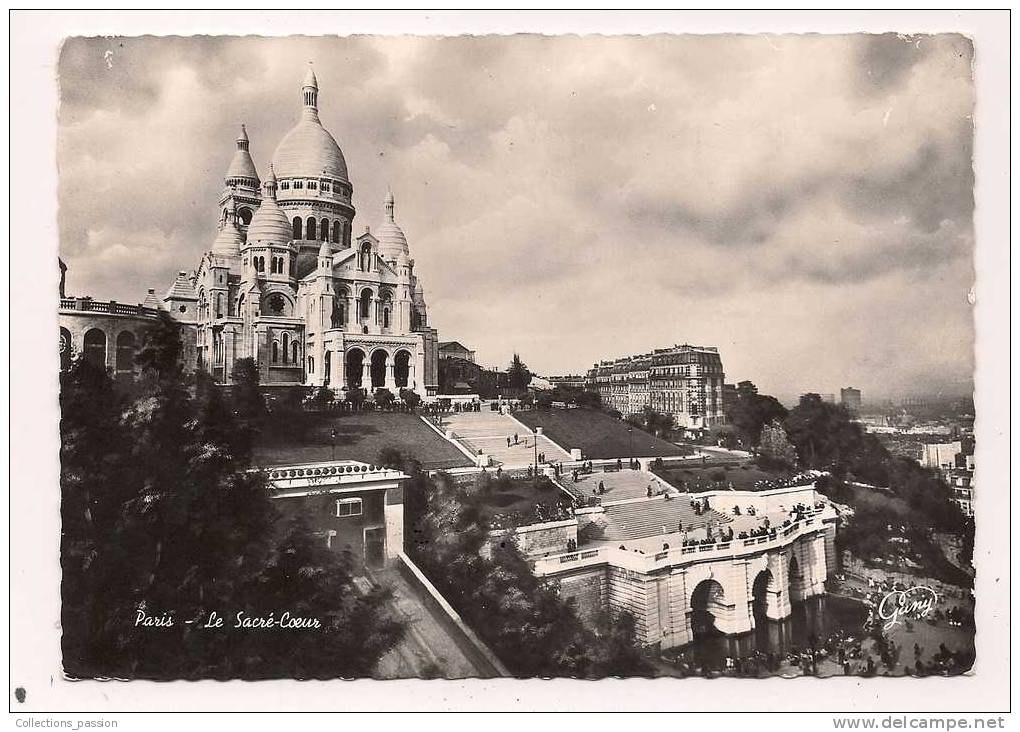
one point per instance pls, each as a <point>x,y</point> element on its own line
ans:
<point>427,650</point>
<point>488,431</point>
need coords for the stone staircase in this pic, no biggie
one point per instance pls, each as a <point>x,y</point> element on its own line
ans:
<point>487,431</point>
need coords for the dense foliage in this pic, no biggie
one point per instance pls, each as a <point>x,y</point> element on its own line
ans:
<point>162,523</point>
<point>521,617</point>
<point>750,412</point>
<point>517,374</point>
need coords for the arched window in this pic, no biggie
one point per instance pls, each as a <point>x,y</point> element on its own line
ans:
<point>125,352</point>
<point>338,319</point>
<point>276,352</point>
<point>311,365</point>
<point>324,230</point>
<point>244,214</point>
<point>95,347</point>
<point>336,232</point>
<point>294,353</point>
<point>325,368</point>
<point>386,304</point>
<point>297,227</point>
<point>286,343</point>
<point>219,304</point>
<point>310,228</point>
<point>366,303</point>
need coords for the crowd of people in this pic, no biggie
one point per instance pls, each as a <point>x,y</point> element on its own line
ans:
<point>838,653</point>
<point>789,482</point>
<point>539,513</point>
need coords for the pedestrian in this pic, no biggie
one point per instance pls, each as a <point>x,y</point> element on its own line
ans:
<point>508,443</point>
<point>515,438</point>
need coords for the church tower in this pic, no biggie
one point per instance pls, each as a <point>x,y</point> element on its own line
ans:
<point>240,186</point>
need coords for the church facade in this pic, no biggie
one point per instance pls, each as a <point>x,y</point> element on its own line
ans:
<point>287,283</point>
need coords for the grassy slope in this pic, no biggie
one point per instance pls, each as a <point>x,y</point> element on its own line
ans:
<point>597,434</point>
<point>359,437</point>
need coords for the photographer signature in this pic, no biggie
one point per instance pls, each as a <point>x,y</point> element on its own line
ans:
<point>916,602</point>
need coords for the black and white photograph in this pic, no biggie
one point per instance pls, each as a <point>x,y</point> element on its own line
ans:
<point>448,357</point>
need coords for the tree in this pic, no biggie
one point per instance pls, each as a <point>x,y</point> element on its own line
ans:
<point>249,404</point>
<point>751,411</point>
<point>544,400</point>
<point>775,451</point>
<point>411,399</point>
<point>535,632</point>
<point>518,375</point>
<point>384,398</point>
<point>356,398</point>
<point>162,519</point>
<point>322,398</point>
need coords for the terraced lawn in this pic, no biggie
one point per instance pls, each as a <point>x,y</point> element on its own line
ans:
<point>358,437</point>
<point>598,435</point>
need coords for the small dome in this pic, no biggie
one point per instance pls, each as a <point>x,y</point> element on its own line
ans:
<point>270,224</point>
<point>325,250</point>
<point>228,241</point>
<point>392,242</point>
<point>242,165</point>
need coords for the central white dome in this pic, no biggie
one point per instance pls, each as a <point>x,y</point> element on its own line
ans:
<point>309,151</point>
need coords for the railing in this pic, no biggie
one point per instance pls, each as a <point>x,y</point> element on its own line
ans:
<point>111,307</point>
<point>637,561</point>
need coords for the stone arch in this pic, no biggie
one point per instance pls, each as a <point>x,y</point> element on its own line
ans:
<point>402,368</point>
<point>365,257</point>
<point>708,609</point>
<point>66,349</point>
<point>380,360</point>
<point>763,596</point>
<point>354,363</point>
<point>94,347</point>
<point>285,350</point>
<point>244,215</point>
<point>276,351</point>
<point>296,224</point>
<point>794,578</point>
<point>327,366</point>
<point>310,228</point>
<point>336,232</point>
<point>324,230</point>
<point>125,362</point>
<point>365,303</point>
<point>339,315</point>
<point>295,352</point>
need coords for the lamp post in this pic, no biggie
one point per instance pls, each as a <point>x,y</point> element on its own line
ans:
<point>536,457</point>
<point>630,442</point>
<point>332,445</point>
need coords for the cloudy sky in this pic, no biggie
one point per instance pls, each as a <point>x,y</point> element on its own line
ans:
<point>802,202</point>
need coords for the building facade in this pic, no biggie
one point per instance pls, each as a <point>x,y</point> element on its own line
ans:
<point>352,507</point>
<point>685,381</point>
<point>454,349</point>
<point>850,398</point>
<point>287,283</point>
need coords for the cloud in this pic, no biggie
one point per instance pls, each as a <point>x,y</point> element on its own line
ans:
<point>575,198</point>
